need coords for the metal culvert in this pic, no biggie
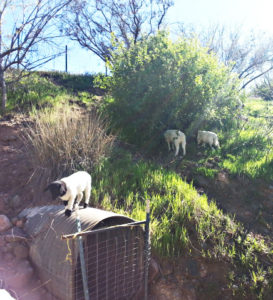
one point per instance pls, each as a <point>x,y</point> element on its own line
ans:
<point>114,259</point>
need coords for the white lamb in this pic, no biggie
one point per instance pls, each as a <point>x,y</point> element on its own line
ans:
<point>70,189</point>
<point>208,137</point>
<point>175,137</point>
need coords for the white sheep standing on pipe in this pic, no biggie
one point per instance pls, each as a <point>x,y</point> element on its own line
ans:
<point>175,137</point>
<point>208,137</point>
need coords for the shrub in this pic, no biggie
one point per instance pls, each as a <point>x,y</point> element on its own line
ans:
<point>264,90</point>
<point>159,84</point>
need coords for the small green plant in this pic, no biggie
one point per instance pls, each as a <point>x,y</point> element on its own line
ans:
<point>207,172</point>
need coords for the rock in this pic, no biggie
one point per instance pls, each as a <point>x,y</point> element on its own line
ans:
<point>192,268</point>
<point>8,257</point>
<point>14,220</point>
<point>15,201</point>
<point>202,181</point>
<point>21,251</point>
<point>20,223</point>
<point>167,268</point>
<point>5,223</point>
<point>22,276</point>
<point>2,205</point>
<point>2,241</point>
<point>15,234</point>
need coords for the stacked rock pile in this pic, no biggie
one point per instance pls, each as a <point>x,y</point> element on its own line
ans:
<point>17,275</point>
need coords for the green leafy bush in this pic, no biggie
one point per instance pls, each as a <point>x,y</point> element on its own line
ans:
<point>264,90</point>
<point>160,84</point>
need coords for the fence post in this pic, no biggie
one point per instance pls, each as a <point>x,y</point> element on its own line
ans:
<point>147,249</point>
<point>65,58</point>
<point>83,268</point>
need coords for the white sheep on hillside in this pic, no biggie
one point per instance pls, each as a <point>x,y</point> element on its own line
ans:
<point>208,137</point>
<point>175,137</point>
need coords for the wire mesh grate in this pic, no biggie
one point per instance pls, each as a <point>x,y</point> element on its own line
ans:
<point>114,264</point>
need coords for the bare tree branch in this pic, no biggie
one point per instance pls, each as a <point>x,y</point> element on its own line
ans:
<point>251,57</point>
<point>92,24</point>
<point>19,45</point>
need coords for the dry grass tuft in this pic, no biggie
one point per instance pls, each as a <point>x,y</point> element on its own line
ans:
<point>65,139</point>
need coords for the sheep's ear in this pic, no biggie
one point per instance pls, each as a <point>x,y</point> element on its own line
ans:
<point>49,187</point>
<point>63,189</point>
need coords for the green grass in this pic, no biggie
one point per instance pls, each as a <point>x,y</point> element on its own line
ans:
<point>70,82</point>
<point>45,89</point>
<point>33,91</point>
<point>257,108</point>
<point>182,218</point>
<point>246,150</point>
<point>249,152</point>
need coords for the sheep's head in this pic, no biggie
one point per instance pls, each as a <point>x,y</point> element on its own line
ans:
<point>57,188</point>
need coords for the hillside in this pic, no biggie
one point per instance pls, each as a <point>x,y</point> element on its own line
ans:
<point>216,239</point>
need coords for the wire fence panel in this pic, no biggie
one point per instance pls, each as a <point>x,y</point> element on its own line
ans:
<point>115,264</point>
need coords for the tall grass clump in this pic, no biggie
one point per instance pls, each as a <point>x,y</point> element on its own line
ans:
<point>65,139</point>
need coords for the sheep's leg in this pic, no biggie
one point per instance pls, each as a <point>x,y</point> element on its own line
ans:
<point>69,207</point>
<point>216,143</point>
<point>176,143</point>
<point>78,200</point>
<point>87,193</point>
<point>169,147</point>
<point>184,149</point>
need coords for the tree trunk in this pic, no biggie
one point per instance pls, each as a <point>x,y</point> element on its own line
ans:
<point>3,90</point>
<point>2,75</point>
